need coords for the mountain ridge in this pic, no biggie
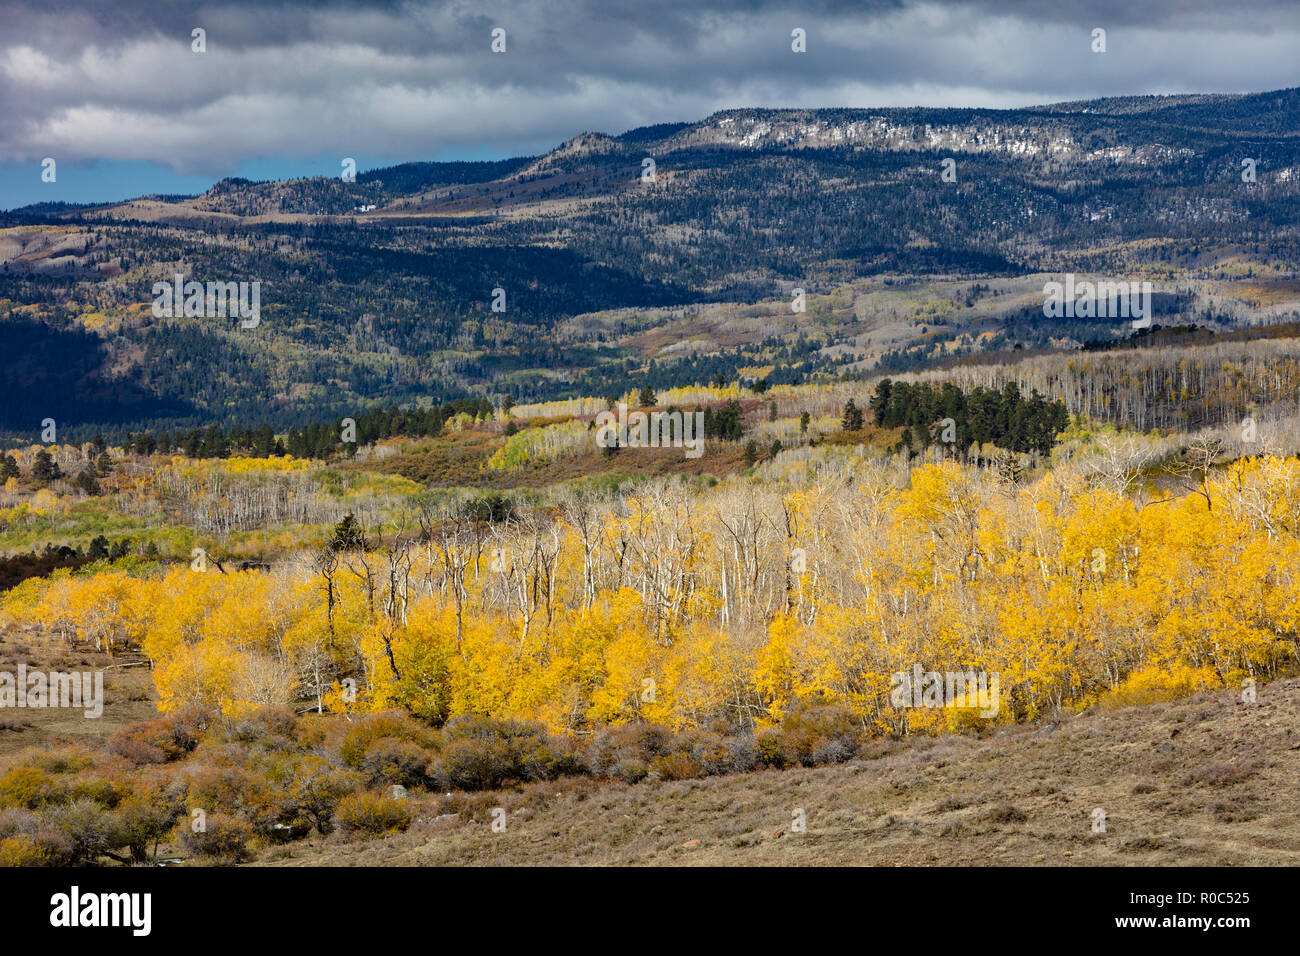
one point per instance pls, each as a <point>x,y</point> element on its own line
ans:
<point>804,127</point>
<point>920,237</point>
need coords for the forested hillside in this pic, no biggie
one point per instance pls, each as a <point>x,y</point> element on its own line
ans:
<point>781,246</point>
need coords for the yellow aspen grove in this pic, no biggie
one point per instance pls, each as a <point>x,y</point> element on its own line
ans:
<point>743,603</point>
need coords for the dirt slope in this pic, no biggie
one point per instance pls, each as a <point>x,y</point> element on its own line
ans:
<point>1206,780</point>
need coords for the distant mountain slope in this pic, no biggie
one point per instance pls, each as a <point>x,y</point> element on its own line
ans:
<point>384,289</point>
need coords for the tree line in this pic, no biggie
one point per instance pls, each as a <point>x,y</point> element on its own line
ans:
<point>318,440</point>
<point>948,415</point>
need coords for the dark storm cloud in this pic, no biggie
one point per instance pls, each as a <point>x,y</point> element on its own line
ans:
<point>118,80</point>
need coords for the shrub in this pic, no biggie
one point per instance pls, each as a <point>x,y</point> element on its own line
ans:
<point>106,793</point>
<point>742,755</point>
<point>293,829</point>
<point>1006,813</point>
<point>135,750</point>
<point>143,819</point>
<point>626,745</point>
<point>474,763</point>
<point>547,758</point>
<point>160,741</point>
<point>708,752</point>
<point>676,766</point>
<point>223,839</point>
<point>364,733</point>
<point>835,750</point>
<point>62,760</point>
<point>1220,774</point>
<point>966,720</point>
<point>481,753</point>
<point>30,787</point>
<point>390,760</point>
<point>235,789</point>
<point>24,826</point>
<point>770,748</point>
<point>695,753</point>
<point>14,822</point>
<point>90,830</point>
<point>716,754</point>
<point>819,733</point>
<point>316,788</point>
<point>55,847</point>
<point>629,771</point>
<point>21,850</point>
<point>1151,684</point>
<point>273,727</point>
<point>372,813</point>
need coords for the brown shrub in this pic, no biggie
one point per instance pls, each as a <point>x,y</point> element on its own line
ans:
<point>315,789</point>
<point>361,735</point>
<point>273,728</point>
<point>372,813</point>
<point>222,839</point>
<point>482,753</point>
<point>617,749</point>
<point>677,766</point>
<point>89,829</point>
<point>1219,774</point>
<point>389,760</point>
<point>238,791</point>
<point>474,763</point>
<point>160,741</point>
<point>818,734</point>
<point>1006,813</point>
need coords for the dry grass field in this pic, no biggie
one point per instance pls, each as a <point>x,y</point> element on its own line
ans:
<point>1207,780</point>
<point>129,697</point>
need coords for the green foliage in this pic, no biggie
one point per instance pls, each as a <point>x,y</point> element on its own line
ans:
<point>44,468</point>
<point>348,535</point>
<point>984,416</point>
<point>726,423</point>
<point>87,483</point>
<point>852,418</point>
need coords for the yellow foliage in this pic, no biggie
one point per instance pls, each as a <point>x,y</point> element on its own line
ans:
<point>1151,684</point>
<point>687,607</point>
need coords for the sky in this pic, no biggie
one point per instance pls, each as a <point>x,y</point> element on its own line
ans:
<point>114,92</point>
